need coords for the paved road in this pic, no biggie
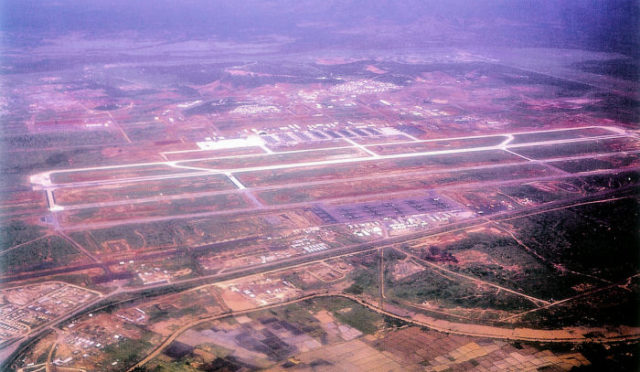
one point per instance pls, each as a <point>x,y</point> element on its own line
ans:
<point>517,334</point>
<point>68,207</point>
<point>44,178</point>
<point>295,261</point>
<point>6,352</point>
<point>286,206</point>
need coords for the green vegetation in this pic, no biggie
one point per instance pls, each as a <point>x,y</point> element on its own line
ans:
<point>41,254</point>
<point>532,193</point>
<point>82,280</point>
<point>366,274</point>
<point>613,357</point>
<point>39,160</point>
<point>83,238</point>
<point>296,314</point>
<point>391,322</point>
<point>123,232</point>
<point>181,231</point>
<point>18,232</point>
<point>127,352</point>
<point>366,278</point>
<point>509,265</point>
<point>120,173</point>
<point>182,365</point>
<point>187,363</point>
<point>609,162</point>
<point>428,285</point>
<point>360,318</point>
<point>584,165</point>
<point>294,278</point>
<point>156,313</point>
<point>59,139</point>
<point>351,313</point>
<point>598,239</point>
<point>611,307</point>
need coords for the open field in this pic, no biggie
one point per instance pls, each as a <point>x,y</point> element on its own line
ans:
<point>142,189</point>
<point>564,238</point>
<point>620,161</point>
<point>438,145</point>
<point>113,173</point>
<point>195,232</point>
<point>579,148</point>
<point>560,135</point>
<point>495,256</point>
<point>16,232</point>
<point>198,154</point>
<point>325,143</point>
<point>277,159</point>
<point>171,207</point>
<point>374,166</point>
<point>51,251</point>
<point>399,183</point>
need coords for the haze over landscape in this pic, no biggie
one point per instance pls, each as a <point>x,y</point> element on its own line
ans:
<point>319,185</point>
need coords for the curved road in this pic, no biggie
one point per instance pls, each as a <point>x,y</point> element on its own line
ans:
<point>517,334</point>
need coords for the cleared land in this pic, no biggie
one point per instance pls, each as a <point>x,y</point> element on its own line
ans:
<point>585,147</point>
<point>382,185</point>
<point>144,189</point>
<point>114,173</point>
<point>167,208</point>
<point>278,159</point>
<point>380,167</point>
<point>560,135</point>
<point>438,145</point>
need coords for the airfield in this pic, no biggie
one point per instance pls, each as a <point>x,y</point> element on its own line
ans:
<point>413,215</point>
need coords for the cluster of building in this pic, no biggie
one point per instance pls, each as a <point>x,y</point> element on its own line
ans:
<point>415,222</point>
<point>363,87</point>
<point>309,245</point>
<point>30,306</point>
<point>156,275</point>
<point>266,291</point>
<point>88,341</point>
<point>366,229</point>
<point>133,315</point>
<point>293,134</point>
<point>254,109</point>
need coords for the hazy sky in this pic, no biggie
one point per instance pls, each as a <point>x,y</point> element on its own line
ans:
<point>608,25</point>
